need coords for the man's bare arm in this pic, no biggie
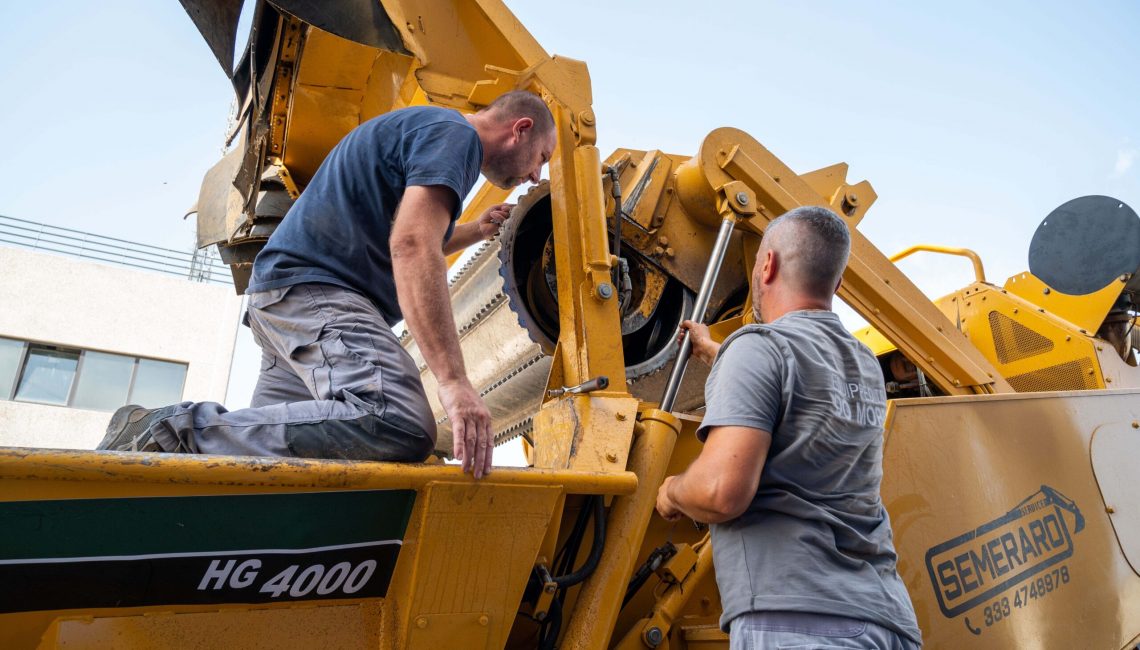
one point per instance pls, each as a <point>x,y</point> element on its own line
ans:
<point>420,271</point>
<point>722,481</point>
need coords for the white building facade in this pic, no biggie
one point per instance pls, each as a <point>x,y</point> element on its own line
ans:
<point>79,338</point>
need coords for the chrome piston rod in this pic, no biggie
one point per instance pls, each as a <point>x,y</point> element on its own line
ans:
<point>699,306</point>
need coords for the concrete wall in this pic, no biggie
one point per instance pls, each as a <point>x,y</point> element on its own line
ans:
<point>72,302</point>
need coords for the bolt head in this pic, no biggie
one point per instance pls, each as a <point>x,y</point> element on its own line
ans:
<point>605,291</point>
<point>654,637</point>
<point>483,620</point>
<point>611,456</point>
<point>742,198</point>
<point>421,622</point>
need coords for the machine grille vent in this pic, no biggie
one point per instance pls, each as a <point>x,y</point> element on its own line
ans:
<point>1014,341</point>
<point>1072,375</point>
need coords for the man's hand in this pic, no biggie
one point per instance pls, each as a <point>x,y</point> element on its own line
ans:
<point>721,483</point>
<point>665,505</point>
<point>472,437</point>
<point>704,348</point>
<point>481,229</point>
<point>491,221</point>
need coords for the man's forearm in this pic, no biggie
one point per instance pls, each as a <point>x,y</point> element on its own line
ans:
<point>697,504</point>
<point>421,283</point>
<point>464,235</point>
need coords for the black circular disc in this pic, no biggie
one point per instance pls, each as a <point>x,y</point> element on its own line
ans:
<point>1085,244</point>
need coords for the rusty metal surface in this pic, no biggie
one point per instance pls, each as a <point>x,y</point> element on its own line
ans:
<point>20,468</point>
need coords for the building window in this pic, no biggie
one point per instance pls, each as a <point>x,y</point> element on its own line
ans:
<point>104,382</point>
<point>11,358</point>
<point>85,379</point>
<point>157,383</point>
<point>48,375</point>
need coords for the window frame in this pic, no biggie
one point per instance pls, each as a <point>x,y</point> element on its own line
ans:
<point>11,396</point>
<point>24,367</point>
<point>22,362</point>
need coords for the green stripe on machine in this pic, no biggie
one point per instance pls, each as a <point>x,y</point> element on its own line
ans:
<point>258,548</point>
<point>76,528</point>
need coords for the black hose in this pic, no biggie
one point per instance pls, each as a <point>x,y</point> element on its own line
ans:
<point>564,560</point>
<point>656,558</point>
<point>571,579</point>
<point>615,191</point>
<point>551,627</point>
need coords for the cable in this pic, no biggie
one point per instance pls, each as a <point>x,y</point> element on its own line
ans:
<point>548,633</point>
<point>584,572</point>
<point>656,558</point>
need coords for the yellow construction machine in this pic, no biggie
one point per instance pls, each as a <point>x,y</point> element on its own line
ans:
<point>1011,444</point>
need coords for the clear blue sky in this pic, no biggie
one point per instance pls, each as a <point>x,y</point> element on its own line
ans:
<point>972,119</point>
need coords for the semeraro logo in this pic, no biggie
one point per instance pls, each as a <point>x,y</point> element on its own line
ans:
<point>974,567</point>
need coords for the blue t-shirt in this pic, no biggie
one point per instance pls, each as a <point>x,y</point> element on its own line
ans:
<point>337,231</point>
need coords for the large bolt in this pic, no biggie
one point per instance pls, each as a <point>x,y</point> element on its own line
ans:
<point>654,637</point>
<point>605,291</point>
<point>421,622</point>
<point>742,198</point>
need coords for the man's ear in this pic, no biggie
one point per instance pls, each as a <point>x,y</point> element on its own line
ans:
<point>521,126</point>
<point>768,272</point>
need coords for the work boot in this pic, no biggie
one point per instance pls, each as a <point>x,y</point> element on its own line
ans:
<point>129,429</point>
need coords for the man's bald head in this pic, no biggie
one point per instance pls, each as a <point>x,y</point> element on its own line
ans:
<point>518,136</point>
<point>509,107</point>
<point>811,246</point>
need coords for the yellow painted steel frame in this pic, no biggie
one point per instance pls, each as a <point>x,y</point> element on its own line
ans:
<point>1039,339</point>
<point>872,285</point>
<point>467,552</point>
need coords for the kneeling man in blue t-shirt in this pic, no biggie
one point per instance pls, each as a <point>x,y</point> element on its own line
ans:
<point>363,248</point>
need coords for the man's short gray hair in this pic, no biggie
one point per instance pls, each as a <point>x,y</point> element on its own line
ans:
<point>812,244</point>
<point>522,103</point>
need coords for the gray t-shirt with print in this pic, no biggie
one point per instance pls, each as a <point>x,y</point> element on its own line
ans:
<point>816,537</point>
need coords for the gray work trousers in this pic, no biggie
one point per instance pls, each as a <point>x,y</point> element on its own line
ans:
<point>334,383</point>
<point>776,630</point>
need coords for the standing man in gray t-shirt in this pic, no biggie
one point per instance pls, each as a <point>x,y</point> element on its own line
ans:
<point>789,474</point>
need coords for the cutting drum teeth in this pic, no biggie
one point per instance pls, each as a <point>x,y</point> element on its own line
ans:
<point>505,347</point>
<point>507,241</point>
